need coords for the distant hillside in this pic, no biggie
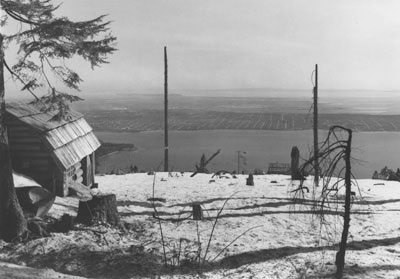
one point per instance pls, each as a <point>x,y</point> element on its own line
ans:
<point>108,148</point>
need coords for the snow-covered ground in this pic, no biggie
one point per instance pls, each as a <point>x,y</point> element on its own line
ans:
<point>282,239</point>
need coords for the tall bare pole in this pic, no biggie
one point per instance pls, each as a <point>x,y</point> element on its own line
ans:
<point>316,164</point>
<point>238,163</point>
<point>165,110</point>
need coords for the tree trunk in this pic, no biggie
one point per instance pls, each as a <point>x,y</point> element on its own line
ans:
<point>340,255</point>
<point>100,209</point>
<point>12,220</point>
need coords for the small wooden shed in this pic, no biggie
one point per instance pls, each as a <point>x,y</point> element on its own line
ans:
<point>57,154</point>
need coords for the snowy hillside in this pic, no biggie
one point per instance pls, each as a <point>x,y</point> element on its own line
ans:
<point>283,239</point>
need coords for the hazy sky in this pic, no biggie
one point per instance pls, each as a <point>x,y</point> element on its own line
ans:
<point>220,44</point>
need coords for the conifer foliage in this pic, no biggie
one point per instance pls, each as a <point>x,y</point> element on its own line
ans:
<point>45,42</point>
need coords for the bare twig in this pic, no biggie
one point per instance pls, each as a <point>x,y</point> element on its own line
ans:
<point>213,228</point>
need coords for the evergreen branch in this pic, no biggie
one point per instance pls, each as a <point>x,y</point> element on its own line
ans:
<point>32,12</point>
<point>19,18</point>
<point>20,79</point>
<point>49,38</point>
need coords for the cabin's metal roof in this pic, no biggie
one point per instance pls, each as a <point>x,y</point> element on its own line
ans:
<point>69,140</point>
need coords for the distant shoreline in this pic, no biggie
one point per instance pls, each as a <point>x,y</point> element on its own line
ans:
<point>109,148</point>
<point>373,150</point>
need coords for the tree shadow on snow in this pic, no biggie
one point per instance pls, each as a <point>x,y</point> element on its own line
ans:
<point>113,263</point>
<point>186,214</point>
<point>233,198</point>
<point>135,261</point>
<point>139,203</point>
<point>353,270</point>
<point>277,253</point>
<point>283,202</point>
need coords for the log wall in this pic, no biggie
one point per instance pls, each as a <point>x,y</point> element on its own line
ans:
<point>29,154</point>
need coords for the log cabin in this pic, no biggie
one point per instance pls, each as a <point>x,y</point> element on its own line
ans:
<point>56,154</point>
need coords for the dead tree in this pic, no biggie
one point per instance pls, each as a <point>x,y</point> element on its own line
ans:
<point>334,159</point>
<point>201,168</point>
<point>203,163</point>
<point>340,255</point>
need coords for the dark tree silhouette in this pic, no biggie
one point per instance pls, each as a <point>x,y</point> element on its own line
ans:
<point>203,163</point>
<point>44,42</point>
<point>202,167</point>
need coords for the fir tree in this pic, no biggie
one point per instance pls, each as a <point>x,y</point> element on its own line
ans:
<point>44,43</point>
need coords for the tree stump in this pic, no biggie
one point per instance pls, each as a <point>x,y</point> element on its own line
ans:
<point>197,211</point>
<point>250,180</point>
<point>100,209</point>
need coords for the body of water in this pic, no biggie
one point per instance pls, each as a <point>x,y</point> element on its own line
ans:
<point>372,150</point>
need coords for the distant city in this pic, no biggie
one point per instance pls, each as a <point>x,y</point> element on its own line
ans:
<point>136,113</point>
<point>184,120</point>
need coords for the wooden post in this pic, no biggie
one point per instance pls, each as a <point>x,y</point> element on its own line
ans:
<point>197,211</point>
<point>87,168</point>
<point>294,164</point>
<point>316,164</point>
<point>238,162</point>
<point>165,110</point>
<point>250,180</point>
<point>93,166</point>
